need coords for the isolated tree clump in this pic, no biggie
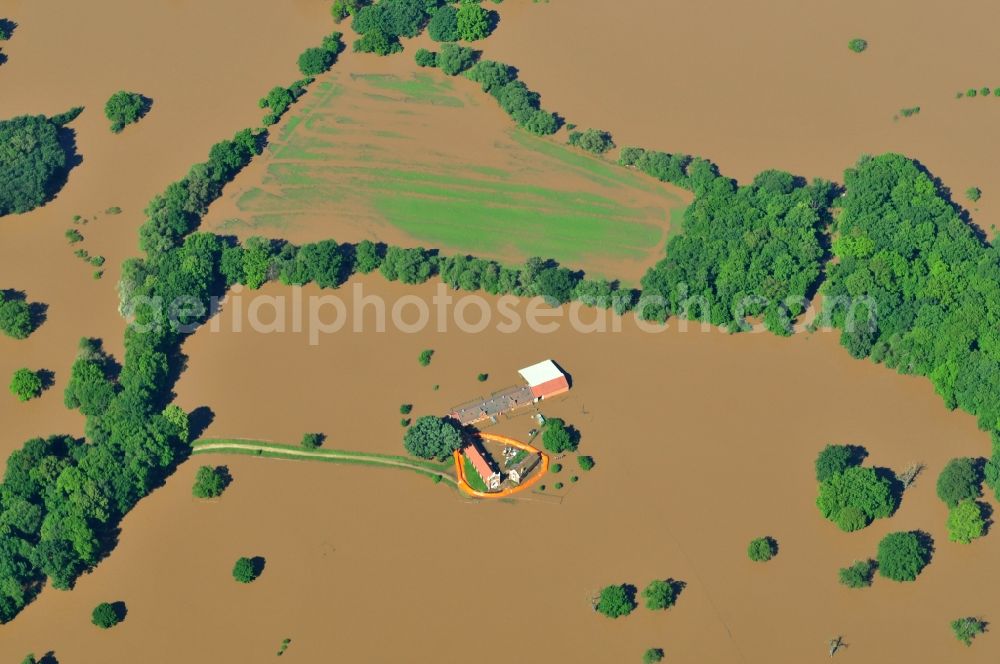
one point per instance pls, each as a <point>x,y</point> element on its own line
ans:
<point>652,656</point>
<point>855,497</point>
<point>616,601</point>
<point>858,575</point>
<point>557,438</point>
<point>244,570</point>
<point>124,108</point>
<point>25,384</point>
<point>592,140</point>
<point>105,615</point>
<point>660,594</point>
<point>973,193</point>
<point>32,162</point>
<point>966,522</point>
<point>425,58</point>
<point>432,437</point>
<point>762,549</point>
<point>961,479</point>
<point>967,629</point>
<point>15,317</point>
<point>857,45</point>
<point>903,555</point>
<point>209,482</point>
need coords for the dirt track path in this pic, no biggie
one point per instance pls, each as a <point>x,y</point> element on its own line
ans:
<point>284,451</point>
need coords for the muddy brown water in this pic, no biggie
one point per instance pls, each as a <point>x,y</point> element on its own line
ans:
<point>201,65</point>
<point>758,85</point>
<point>703,441</point>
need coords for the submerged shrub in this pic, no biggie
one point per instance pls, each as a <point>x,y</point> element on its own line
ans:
<point>857,45</point>
<point>124,108</point>
<point>903,555</point>
<point>762,549</point>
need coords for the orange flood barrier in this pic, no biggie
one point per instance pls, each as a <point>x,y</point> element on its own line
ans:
<point>463,483</point>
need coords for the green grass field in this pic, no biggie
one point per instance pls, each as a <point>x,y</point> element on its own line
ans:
<point>367,150</point>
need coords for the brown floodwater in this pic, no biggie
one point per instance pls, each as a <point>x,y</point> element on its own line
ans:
<point>703,441</point>
<point>202,65</point>
<point>758,85</point>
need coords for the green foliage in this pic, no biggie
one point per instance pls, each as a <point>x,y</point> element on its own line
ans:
<point>482,378</point>
<point>15,316</point>
<point>910,111</point>
<point>745,251</point>
<point>855,497</point>
<point>311,441</point>
<point>616,601</point>
<point>557,437</point>
<point>557,486</point>
<point>514,97</point>
<point>315,60</point>
<point>29,659</point>
<point>244,570</point>
<point>971,92</point>
<point>425,58</point>
<point>209,482</point>
<point>383,23</point>
<point>652,656</point>
<point>984,91</point>
<point>961,479</point>
<point>105,615</point>
<point>443,26</point>
<point>660,594</point>
<point>176,416</point>
<point>903,555</point>
<point>33,162</point>
<point>432,437</point>
<point>966,522</point>
<point>857,45</point>
<point>586,462</point>
<point>425,357</point>
<point>967,629</point>
<point>124,108</point>
<point>341,9</point>
<point>592,140</point>
<point>762,549</point>
<point>73,235</point>
<point>25,384</point>
<point>279,99</point>
<point>555,468</point>
<point>973,194</point>
<point>318,59</point>
<point>473,21</point>
<point>406,409</point>
<point>455,59</point>
<point>835,459</point>
<point>905,253</point>
<point>858,575</point>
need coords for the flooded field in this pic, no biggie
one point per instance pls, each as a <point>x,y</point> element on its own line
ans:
<point>702,440</point>
<point>380,149</point>
<point>758,85</point>
<point>204,85</point>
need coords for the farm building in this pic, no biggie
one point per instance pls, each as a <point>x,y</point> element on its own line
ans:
<point>545,379</point>
<point>525,467</point>
<point>485,466</point>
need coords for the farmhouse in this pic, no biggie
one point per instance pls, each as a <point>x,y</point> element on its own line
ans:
<point>544,380</point>
<point>485,466</point>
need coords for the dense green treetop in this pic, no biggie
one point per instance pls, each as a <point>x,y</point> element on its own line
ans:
<point>960,480</point>
<point>124,108</point>
<point>33,162</point>
<point>903,555</point>
<point>432,437</point>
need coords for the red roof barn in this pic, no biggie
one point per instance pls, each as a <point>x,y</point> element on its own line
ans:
<point>545,379</point>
